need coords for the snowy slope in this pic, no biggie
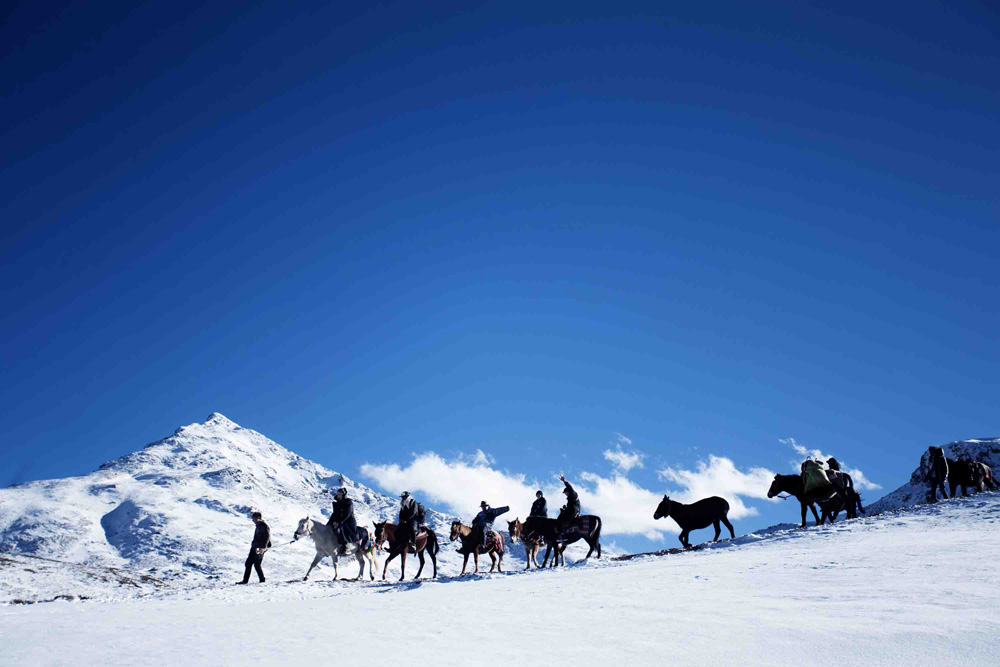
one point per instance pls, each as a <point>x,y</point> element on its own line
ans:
<point>915,490</point>
<point>903,588</point>
<point>175,512</point>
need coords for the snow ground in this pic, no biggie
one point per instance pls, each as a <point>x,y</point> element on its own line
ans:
<point>914,587</point>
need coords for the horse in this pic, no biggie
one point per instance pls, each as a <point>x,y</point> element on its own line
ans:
<point>831,501</point>
<point>470,545</point>
<point>326,542</point>
<point>585,527</point>
<point>937,473</point>
<point>532,534</point>
<point>705,512</point>
<point>988,482</point>
<point>962,473</point>
<point>426,540</point>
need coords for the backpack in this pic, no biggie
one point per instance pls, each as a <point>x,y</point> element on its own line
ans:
<point>420,515</point>
<point>813,476</point>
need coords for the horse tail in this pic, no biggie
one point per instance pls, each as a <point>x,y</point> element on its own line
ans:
<point>596,535</point>
<point>432,542</point>
<point>500,543</point>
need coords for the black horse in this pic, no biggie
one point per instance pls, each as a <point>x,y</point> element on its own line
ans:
<point>964,474</point>
<point>702,514</point>
<point>792,485</point>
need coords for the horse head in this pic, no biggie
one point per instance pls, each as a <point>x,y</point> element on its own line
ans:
<point>514,529</point>
<point>379,534</point>
<point>456,530</point>
<point>304,529</point>
<point>775,487</point>
<point>663,509</point>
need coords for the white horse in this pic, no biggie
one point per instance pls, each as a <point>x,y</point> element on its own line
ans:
<point>328,545</point>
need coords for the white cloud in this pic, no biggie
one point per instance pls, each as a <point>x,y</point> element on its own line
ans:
<point>623,460</point>
<point>861,482</point>
<point>719,476</point>
<point>459,485</point>
<point>625,507</point>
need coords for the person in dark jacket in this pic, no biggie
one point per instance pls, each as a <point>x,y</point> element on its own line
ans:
<point>261,543</point>
<point>571,509</point>
<point>484,520</point>
<point>345,526</point>
<point>539,508</point>
<point>407,520</point>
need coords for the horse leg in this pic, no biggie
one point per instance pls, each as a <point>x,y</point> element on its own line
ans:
<point>336,569</point>
<point>372,556</point>
<point>683,538</point>
<point>718,530</point>
<point>402,563</point>
<point>725,522</point>
<point>493,561</point>
<point>361,564</point>
<point>465,562</point>
<point>386,566</point>
<point>316,560</point>
<point>475,557</point>
<point>420,557</point>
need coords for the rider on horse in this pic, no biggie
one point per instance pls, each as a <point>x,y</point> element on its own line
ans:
<point>408,511</point>
<point>571,509</point>
<point>539,508</point>
<point>484,521</point>
<point>342,521</point>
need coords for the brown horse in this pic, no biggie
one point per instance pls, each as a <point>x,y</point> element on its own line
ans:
<point>426,541</point>
<point>470,545</point>
<point>530,534</point>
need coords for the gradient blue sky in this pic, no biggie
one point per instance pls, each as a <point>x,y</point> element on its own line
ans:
<point>520,228</point>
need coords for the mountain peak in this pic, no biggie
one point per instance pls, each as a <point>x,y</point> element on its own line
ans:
<point>219,419</point>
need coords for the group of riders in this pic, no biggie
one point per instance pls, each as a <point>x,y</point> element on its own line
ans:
<point>411,515</point>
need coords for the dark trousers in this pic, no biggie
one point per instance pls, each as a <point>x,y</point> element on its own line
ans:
<point>253,562</point>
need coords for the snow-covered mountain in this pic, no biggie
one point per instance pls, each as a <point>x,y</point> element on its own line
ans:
<point>915,490</point>
<point>178,510</point>
<point>914,587</point>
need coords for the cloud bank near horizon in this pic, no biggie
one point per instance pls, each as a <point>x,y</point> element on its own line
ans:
<point>625,507</point>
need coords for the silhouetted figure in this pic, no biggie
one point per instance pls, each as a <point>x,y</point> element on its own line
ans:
<point>261,543</point>
<point>937,472</point>
<point>345,526</point>
<point>483,522</point>
<point>408,521</point>
<point>539,508</point>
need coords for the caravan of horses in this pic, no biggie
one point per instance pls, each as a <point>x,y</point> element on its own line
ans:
<point>822,486</point>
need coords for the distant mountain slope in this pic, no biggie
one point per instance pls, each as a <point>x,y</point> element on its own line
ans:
<point>914,491</point>
<point>178,509</point>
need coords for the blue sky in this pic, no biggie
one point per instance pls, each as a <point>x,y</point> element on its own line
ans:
<point>374,233</point>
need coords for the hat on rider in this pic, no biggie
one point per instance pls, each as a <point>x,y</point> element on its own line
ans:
<point>255,516</point>
<point>341,491</point>
<point>484,504</point>
<point>538,493</point>
<point>404,494</point>
<point>833,463</point>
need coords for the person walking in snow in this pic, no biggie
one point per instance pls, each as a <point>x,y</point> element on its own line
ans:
<point>569,511</point>
<point>484,521</point>
<point>261,543</point>
<point>539,508</point>
<point>407,521</point>
<point>342,521</point>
